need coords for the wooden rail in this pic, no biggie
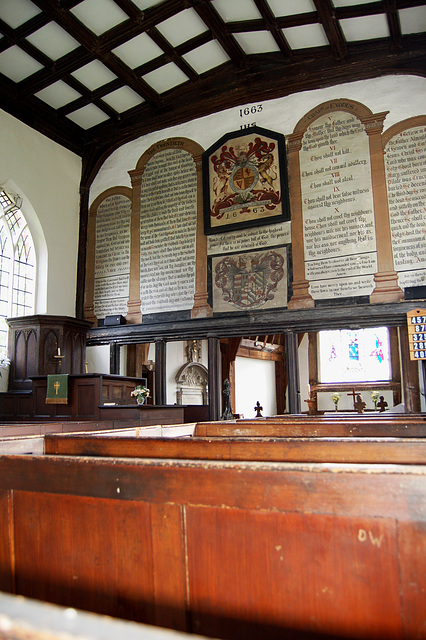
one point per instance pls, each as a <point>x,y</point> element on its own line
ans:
<point>367,450</point>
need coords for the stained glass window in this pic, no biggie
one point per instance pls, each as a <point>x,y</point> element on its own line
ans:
<point>361,355</point>
<point>17,269</point>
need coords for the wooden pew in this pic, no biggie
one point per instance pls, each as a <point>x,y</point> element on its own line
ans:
<point>287,428</point>
<point>355,450</point>
<point>241,550</point>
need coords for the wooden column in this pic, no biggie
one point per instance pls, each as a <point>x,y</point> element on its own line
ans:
<point>160,371</point>
<point>386,278</point>
<point>281,384</point>
<point>215,390</point>
<point>291,343</point>
<point>228,350</point>
<point>86,259</point>
<point>313,367</point>
<point>301,298</point>
<point>114,358</point>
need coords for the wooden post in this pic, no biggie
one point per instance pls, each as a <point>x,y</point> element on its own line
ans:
<point>114,358</point>
<point>292,361</point>
<point>214,377</point>
<point>160,371</point>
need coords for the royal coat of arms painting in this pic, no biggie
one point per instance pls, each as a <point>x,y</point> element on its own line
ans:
<point>251,280</point>
<point>245,181</point>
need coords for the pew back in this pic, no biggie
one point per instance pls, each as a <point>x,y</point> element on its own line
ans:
<point>226,549</point>
<point>300,428</point>
<point>128,445</point>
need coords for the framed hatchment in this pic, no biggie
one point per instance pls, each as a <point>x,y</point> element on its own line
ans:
<point>245,181</point>
<point>249,280</point>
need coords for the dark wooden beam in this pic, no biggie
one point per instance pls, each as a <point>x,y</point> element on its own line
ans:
<point>331,26</point>
<point>220,32</point>
<point>270,22</point>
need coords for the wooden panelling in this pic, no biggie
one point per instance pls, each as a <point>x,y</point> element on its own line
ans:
<point>242,550</point>
<point>412,553</point>
<point>96,554</point>
<point>6,548</point>
<point>290,569</point>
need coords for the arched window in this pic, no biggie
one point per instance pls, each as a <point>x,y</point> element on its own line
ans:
<point>17,264</point>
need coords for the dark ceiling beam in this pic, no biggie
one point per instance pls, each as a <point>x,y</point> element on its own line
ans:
<point>62,67</point>
<point>12,39</point>
<point>393,22</point>
<point>270,22</point>
<point>141,21</point>
<point>26,29</point>
<point>39,116</point>
<point>220,32</point>
<point>331,26</point>
<point>87,39</point>
<point>171,54</point>
<point>262,83</point>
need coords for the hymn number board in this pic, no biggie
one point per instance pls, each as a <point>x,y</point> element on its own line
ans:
<point>416,321</point>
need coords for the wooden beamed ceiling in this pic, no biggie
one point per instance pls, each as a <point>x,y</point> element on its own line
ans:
<point>91,79</point>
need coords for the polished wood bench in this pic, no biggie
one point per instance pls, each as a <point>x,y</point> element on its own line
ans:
<point>242,550</point>
<point>270,428</point>
<point>365,450</point>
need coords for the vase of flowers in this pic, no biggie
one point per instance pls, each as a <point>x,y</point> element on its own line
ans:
<point>374,395</point>
<point>335,397</point>
<point>4,372</point>
<point>141,393</point>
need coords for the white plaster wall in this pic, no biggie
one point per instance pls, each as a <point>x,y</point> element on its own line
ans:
<point>175,358</point>
<point>98,358</point>
<point>48,178</point>
<point>255,381</point>
<point>402,95</point>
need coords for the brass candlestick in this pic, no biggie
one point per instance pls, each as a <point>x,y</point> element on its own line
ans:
<point>58,357</point>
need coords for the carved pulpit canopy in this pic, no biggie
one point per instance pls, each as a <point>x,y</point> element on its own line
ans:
<point>192,382</point>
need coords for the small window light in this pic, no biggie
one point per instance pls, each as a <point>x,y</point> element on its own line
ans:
<point>10,202</point>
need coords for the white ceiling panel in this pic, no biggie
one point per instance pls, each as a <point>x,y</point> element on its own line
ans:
<point>122,99</point>
<point>349,3</point>
<point>53,41</point>
<point>182,27</point>
<point>306,35</point>
<point>256,42</point>
<point>234,10</point>
<point>58,94</point>
<point>94,75</point>
<point>99,15</point>
<point>165,78</point>
<point>17,65</point>
<point>138,51</point>
<point>16,12</point>
<point>365,27</point>
<point>413,20</point>
<point>146,4</point>
<point>88,116</point>
<point>206,57</point>
<point>291,7</point>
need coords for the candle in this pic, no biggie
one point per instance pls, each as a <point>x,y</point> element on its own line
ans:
<point>59,351</point>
